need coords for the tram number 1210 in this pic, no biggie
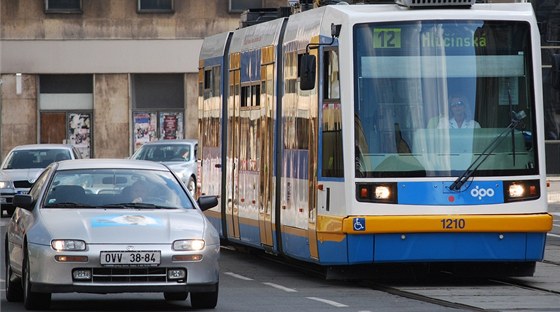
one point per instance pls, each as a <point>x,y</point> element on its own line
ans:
<point>451,224</point>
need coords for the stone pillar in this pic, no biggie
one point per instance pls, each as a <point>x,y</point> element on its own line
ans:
<point>111,116</point>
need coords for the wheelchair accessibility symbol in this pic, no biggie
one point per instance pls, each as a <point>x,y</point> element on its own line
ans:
<point>359,224</point>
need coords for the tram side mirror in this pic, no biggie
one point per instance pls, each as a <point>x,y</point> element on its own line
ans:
<point>555,71</point>
<point>307,69</point>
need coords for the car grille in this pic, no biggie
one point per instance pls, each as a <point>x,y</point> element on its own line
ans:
<point>22,184</point>
<point>128,275</point>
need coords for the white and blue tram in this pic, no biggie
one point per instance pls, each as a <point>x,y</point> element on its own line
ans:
<point>330,138</point>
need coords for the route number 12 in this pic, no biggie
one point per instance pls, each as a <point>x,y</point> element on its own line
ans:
<point>386,38</point>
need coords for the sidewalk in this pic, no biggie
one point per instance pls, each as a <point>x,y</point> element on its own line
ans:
<point>553,189</point>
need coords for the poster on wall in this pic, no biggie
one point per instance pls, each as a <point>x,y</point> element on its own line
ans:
<point>79,134</point>
<point>145,125</point>
<point>171,126</point>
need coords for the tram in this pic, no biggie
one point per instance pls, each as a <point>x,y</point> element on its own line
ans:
<point>334,136</point>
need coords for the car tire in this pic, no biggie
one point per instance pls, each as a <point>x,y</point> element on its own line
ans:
<point>14,290</point>
<point>174,296</point>
<point>191,186</point>
<point>204,300</point>
<point>33,300</point>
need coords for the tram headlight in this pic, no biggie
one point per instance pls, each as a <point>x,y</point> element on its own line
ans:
<point>376,192</point>
<point>516,190</point>
<point>521,190</point>
<point>382,192</point>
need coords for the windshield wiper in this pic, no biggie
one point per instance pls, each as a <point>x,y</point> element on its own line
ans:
<point>68,205</point>
<point>467,174</point>
<point>137,206</point>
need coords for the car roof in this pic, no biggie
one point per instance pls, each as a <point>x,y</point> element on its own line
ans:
<point>41,146</point>
<point>169,142</point>
<point>109,163</point>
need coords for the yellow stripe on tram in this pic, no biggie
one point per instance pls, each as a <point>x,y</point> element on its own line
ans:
<point>447,223</point>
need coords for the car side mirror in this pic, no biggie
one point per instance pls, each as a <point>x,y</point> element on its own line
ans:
<point>207,201</point>
<point>24,201</point>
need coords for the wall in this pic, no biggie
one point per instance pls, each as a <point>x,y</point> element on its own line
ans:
<point>111,41</point>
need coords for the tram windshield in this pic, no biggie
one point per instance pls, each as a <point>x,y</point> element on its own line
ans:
<point>432,96</point>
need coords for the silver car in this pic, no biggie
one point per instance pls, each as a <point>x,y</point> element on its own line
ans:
<point>179,155</point>
<point>111,226</point>
<point>23,164</point>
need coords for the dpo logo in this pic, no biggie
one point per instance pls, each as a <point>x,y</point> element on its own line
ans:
<point>482,192</point>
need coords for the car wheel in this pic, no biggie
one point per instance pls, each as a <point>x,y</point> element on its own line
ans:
<point>173,296</point>
<point>33,300</point>
<point>204,300</point>
<point>191,186</point>
<point>14,291</point>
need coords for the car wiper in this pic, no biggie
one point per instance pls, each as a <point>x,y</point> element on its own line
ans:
<point>468,173</point>
<point>68,205</point>
<point>130,205</point>
<point>137,205</point>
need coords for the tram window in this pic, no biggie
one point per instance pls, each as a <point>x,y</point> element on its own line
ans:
<point>332,159</point>
<point>331,75</point>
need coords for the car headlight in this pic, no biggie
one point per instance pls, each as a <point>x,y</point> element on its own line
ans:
<point>188,244</point>
<point>68,245</point>
<point>6,184</point>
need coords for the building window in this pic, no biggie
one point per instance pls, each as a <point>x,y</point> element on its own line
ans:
<point>155,6</point>
<point>238,6</point>
<point>63,6</point>
<point>158,107</point>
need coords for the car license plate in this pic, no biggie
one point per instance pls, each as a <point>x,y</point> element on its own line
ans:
<point>145,258</point>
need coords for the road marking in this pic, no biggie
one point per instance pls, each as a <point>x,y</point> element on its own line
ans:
<point>286,289</point>
<point>330,302</point>
<point>241,277</point>
<point>553,235</point>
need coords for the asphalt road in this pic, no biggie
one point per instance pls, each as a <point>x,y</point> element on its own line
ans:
<point>250,283</point>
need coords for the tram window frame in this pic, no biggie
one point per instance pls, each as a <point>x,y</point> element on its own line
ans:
<point>63,6</point>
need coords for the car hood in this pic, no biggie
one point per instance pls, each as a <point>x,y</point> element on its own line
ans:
<point>21,174</point>
<point>96,226</point>
<point>178,164</point>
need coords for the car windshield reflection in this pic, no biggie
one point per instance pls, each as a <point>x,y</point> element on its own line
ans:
<point>116,189</point>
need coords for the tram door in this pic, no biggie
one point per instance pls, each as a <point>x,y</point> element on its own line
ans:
<point>234,128</point>
<point>266,139</point>
<point>312,171</point>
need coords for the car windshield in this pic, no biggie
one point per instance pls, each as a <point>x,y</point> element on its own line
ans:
<point>39,158</point>
<point>116,189</point>
<point>164,152</point>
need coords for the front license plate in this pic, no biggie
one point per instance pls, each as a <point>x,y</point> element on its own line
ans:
<point>145,258</point>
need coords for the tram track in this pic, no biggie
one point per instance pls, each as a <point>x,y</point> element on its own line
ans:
<point>447,290</point>
<point>418,297</point>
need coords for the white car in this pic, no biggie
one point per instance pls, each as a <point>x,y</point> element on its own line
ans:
<point>111,226</point>
<point>23,164</point>
<point>179,155</point>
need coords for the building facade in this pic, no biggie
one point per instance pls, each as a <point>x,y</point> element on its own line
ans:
<point>105,75</point>
<point>109,75</point>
